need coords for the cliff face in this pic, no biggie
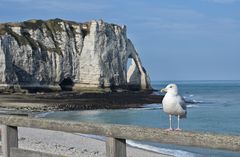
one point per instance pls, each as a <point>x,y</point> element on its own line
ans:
<point>57,52</point>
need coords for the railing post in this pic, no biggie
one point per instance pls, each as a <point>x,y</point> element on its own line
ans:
<point>9,139</point>
<point>115,147</point>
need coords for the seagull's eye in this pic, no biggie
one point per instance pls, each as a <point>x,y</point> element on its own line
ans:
<point>170,87</point>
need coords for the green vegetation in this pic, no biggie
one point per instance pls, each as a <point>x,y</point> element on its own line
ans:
<point>42,46</point>
<point>33,24</point>
<point>52,28</point>
<point>21,40</point>
<point>85,28</point>
<point>30,40</point>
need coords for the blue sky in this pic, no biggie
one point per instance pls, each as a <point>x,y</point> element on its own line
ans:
<point>176,39</point>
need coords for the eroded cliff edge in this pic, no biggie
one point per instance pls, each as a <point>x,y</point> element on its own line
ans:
<point>61,54</point>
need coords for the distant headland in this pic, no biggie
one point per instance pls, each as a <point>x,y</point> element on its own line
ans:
<point>58,54</point>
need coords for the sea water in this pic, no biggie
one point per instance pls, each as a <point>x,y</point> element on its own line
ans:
<point>213,106</point>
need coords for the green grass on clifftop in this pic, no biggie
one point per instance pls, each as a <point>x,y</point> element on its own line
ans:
<point>52,28</point>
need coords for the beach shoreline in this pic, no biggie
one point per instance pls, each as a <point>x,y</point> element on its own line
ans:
<point>66,101</point>
<point>62,143</point>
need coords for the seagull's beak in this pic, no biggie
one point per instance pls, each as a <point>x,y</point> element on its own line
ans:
<point>163,90</point>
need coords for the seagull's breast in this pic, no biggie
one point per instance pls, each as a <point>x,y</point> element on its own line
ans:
<point>171,105</point>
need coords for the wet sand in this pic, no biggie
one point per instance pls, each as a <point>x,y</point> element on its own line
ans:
<point>77,101</point>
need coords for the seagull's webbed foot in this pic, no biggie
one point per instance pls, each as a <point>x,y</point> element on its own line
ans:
<point>178,129</point>
<point>169,129</point>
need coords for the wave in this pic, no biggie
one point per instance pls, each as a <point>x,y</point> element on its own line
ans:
<point>157,107</point>
<point>152,107</point>
<point>192,106</point>
<point>172,152</point>
<point>144,109</point>
<point>190,100</point>
<point>91,112</point>
<point>43,115</point>
<point>96,137</point>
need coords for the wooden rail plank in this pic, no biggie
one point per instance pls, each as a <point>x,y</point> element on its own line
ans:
<point>184,138</point>
<point>115,147</point>
<point>9,139</point>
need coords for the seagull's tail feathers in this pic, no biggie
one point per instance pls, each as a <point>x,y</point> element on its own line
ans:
<point>184,115</point>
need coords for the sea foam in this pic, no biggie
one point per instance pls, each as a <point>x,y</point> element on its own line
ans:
<point>172,152</point>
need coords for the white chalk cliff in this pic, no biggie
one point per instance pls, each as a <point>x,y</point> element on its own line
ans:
<point>38,53</point>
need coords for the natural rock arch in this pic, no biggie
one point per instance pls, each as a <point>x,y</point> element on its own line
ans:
<point>92,54</point>
<point>133,73</point>
<point>136,75</point>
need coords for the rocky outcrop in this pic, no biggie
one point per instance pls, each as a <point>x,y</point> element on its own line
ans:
<point>57,52</point>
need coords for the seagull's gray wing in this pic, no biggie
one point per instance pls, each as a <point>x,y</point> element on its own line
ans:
<point>182,102</point>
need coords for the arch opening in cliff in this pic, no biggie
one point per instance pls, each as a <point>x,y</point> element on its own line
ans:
<point>67,84</point>
<point>133,75</point>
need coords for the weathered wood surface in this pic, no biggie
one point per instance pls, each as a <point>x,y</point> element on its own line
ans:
<point>116,147</point>
<point>14,113</point>
<point>9,139</point>
<point>185,138</point>
<point>16,152</point>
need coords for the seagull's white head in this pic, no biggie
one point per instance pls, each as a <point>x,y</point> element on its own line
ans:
<point>171,89</point>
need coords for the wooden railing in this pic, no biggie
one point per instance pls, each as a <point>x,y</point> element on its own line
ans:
<point>116,134</point>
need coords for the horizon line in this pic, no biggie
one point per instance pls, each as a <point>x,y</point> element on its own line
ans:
<point>199,80</point>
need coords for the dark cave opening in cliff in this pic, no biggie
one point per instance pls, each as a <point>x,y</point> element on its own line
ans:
<point>67,84</point>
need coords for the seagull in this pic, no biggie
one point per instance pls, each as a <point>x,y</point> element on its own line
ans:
<point>173,104</point>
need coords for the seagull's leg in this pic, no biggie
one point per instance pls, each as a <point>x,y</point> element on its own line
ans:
<point>170,124</point>
<point>178,128</point>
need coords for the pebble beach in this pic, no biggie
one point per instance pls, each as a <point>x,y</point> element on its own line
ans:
<point>71,145</point>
